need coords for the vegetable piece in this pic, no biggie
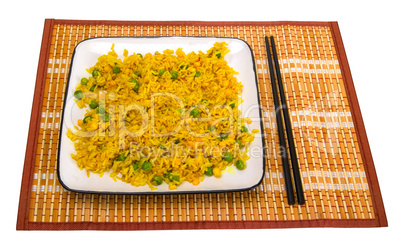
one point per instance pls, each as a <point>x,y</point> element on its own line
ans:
<point>232,105</point>
<point>95,72</point>
<point>116,70</point>
<point>105,117</point>
<point>136,84</point>
<point>244,129</point>
<point>93,125</point>
<point>198,74</point>
<point>174,74</point>
<point>211,127</point>
<point>209,171</point>
<point>175,178</point>
<point>84,81</point>
<point>196,182</point>
<point>78,94</point>
<point>161,72</point>
<point>121,157</point>
<point>157,180</point>
<point>241,145</point>
<point>217,173</point>
<point>100,110</point>
<point>147,166</point>
<point>136,165</point>
<point>107,68</point>
<point>240,165</point>
<point>137,73</point>
<point>195,112</point>
<point>228,157</point>
<point>172,177</point>
<point>224,135</point>
<point>87,119</point>
<point>92,88</point>
<point>93,104</point>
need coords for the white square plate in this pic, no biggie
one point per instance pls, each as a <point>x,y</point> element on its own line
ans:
<point>240,58</point>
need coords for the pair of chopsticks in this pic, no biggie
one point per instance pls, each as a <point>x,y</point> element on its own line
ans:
<point>281,111</point>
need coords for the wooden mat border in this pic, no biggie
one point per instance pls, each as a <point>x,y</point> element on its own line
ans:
<point>380,219</point>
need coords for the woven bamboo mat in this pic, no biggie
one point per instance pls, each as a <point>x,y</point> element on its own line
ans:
<point>337,169</point>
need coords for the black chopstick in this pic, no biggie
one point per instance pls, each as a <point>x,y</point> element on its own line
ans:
<point>282,111</point>
<point>282,141</point>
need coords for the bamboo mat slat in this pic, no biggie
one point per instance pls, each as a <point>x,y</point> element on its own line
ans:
<point>338,173</point>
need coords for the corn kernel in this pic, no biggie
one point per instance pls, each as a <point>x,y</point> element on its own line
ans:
<point>148,55</point>
<point>196,182</point>
<point>216,172</point>
<point>107,68</point>
<point>93,125</point>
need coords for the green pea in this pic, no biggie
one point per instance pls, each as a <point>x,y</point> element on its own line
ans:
<point>136,84</point>
<point>105,117</point>
<point>176,141</point>
<point>121,157</point>
<point>209,172</point>
<point>175,178</point>
<point>137,73</point>
<point>116,70</point>
<point>161,72</point>
<point>244,129</point>
<point>172,177</point>
<point>224,135</point>
<point>78,94</point>
<point>95,72</point>
<point>87,119</point>
<point>92,88</point>
<point>147,166</point>
<point>228,157</point>
<point>241,145</point>
<point>174,74</point>
<point>100,110</point>
<point>198,74</point>
<point>84,81</point>
<point>218,54</point>
<point>195,112</point>
<point>157,180</point>
<point>211,128</point>
<point>93,104</point>
<point>232,105</point>
<point>136,165</point>
<point>240,165</point>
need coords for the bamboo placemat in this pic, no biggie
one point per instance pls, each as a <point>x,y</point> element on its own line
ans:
<point>337,169</point>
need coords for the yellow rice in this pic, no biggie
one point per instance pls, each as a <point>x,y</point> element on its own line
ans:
<point>144,113</point>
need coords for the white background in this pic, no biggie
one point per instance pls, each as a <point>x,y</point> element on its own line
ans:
<point>371,32</point>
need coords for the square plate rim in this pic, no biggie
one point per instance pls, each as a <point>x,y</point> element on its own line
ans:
<point>170,192</point>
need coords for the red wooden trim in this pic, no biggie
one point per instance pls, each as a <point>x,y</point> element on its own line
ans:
<point>364,146</point>
<point>32,141</point>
